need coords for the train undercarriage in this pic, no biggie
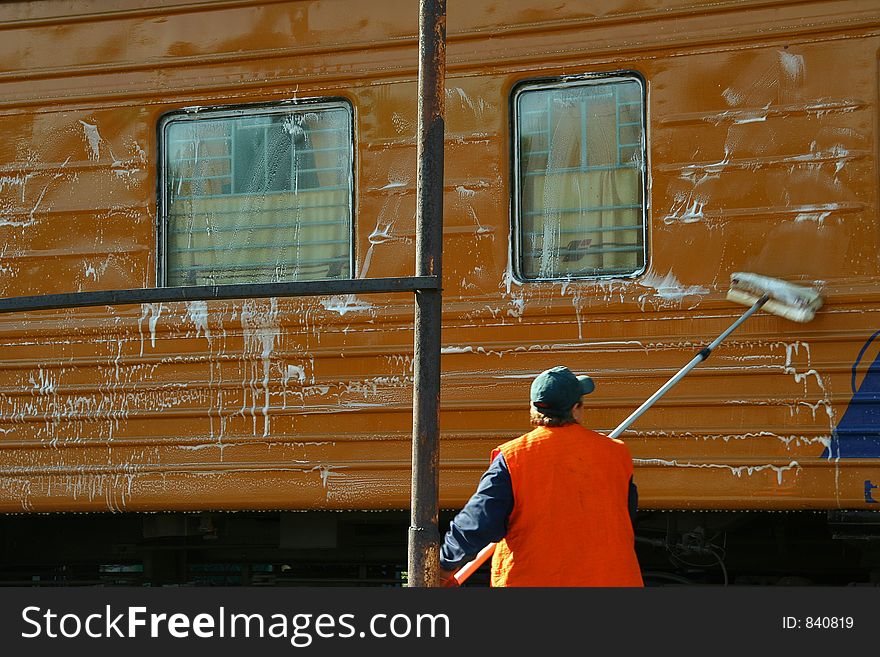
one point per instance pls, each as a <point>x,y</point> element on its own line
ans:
<point>358,548</point>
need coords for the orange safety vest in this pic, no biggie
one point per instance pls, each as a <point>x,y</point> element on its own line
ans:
<point>570,524</point>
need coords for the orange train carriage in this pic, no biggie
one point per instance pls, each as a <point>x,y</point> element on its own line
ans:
<point>608,165</point>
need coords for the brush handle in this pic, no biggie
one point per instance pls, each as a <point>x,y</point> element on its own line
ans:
<point>696,360</point>
<point>471,566</point>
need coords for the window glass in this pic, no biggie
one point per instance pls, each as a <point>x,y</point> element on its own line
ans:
<point>580,153</point>
<point>258,195</point>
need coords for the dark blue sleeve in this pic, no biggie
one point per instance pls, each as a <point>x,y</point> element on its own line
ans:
<point>483,520</point>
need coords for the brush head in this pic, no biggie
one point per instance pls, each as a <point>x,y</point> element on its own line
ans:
<point>795,302</point>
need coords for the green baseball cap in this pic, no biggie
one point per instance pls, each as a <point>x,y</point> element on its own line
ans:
<point>556,390</point>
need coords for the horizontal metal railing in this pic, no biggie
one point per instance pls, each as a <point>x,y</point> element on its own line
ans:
<point>219,292</point>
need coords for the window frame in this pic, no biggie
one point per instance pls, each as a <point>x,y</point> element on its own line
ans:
<point>281,107</point>
<point>561,82</point>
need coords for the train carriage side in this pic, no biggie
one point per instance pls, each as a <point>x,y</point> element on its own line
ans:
<point>605,173</point>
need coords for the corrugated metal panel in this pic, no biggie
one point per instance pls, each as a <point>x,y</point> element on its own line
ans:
<point>761,157</point>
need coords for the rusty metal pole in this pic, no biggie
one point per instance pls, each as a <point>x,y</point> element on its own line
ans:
<point>424,538</point>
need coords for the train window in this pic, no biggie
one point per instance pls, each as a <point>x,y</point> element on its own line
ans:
<point>256,195</point>
<point>579,149</point>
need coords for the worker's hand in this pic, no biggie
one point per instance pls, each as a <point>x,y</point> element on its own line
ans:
<point>447,578</point>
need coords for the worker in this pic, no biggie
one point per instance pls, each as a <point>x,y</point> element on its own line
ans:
<point>559,501</point>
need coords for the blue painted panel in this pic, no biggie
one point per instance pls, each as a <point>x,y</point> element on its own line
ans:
<point>857,435</point>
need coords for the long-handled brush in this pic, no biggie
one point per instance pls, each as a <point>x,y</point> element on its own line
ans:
<point>794,302</point>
